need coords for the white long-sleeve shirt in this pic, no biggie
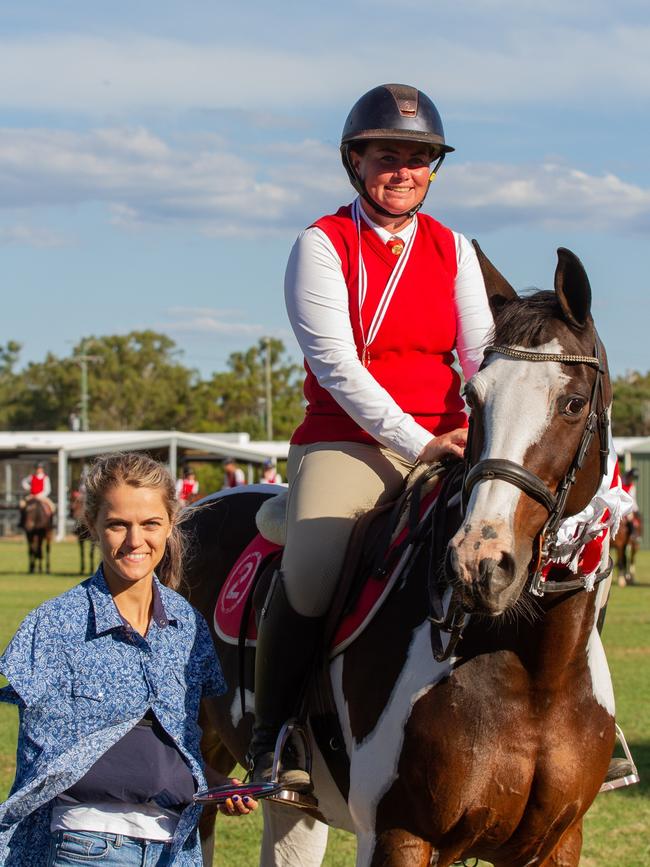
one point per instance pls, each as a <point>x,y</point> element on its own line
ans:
<point>316,296</point>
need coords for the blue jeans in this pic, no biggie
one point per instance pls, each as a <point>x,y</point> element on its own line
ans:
<point>96,847</point>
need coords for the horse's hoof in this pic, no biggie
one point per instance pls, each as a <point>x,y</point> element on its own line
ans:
<point>621,581</point>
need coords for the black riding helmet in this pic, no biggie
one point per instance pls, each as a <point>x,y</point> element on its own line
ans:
<point>397,112</point>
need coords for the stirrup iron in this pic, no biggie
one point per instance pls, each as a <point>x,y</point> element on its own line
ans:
<point>290,797</point>
<point>629,779</point>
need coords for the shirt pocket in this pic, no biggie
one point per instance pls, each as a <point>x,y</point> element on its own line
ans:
<point>88,687</point>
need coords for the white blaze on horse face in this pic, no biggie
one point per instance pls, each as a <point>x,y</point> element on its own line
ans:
<point>518,400</point>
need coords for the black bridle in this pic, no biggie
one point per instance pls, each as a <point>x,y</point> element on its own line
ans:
<point>554,502</point>
<point>597,421</point>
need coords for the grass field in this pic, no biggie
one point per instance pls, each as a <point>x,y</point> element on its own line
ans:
<point>617,828</point>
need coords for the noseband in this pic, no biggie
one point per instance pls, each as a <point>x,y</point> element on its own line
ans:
<point>531,484</point>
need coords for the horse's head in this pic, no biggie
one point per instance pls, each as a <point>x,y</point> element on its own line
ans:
<point>539,389</point>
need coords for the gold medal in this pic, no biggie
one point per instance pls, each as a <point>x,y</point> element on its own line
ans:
<point>396,246</point>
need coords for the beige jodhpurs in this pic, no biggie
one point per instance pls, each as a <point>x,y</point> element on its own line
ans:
<point>330,484</point>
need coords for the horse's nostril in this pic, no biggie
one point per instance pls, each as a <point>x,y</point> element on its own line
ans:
<point>507,564</point>
<point>485,569</point>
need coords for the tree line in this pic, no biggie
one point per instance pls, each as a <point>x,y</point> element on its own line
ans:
<point>138,381</point>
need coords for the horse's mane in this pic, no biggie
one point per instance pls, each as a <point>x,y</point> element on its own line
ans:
<point>524,321</point>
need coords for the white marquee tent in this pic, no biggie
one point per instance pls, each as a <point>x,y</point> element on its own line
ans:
<point>63,446</point>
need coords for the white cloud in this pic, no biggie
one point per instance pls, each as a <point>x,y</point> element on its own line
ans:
<point>208,320</point>
<point>21,235</point>
<point>550,195</point>
<point>506,57</point>
<point>146,181</point>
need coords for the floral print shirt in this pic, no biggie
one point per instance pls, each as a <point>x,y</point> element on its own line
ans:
<point>82,678</point>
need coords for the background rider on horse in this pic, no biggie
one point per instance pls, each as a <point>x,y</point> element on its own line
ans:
<point>37,486</point>
<point>628,481</point>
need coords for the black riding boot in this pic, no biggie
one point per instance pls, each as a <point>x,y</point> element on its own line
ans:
<point>287,644</point>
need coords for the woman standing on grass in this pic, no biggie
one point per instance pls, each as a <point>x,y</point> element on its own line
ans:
<point>108,678</point>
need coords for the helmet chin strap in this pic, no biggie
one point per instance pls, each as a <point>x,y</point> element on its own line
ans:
<point>360,187</point>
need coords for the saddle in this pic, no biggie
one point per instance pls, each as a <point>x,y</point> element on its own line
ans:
<point>380,547</point>
<point>383,544</point>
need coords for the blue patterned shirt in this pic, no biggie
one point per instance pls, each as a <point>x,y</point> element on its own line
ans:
<point>82,678</point>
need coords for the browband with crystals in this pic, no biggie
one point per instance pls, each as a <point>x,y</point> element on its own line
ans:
<point>525,355</point>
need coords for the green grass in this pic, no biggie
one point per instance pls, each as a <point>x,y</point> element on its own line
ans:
<point>616,827</point>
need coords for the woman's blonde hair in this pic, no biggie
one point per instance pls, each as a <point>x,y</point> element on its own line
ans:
<point>138,471</point>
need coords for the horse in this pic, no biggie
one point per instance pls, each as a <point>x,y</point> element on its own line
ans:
<point>626,545</point>
<point>37,523</point>
<point>81,532</point>
<point>482,729</point>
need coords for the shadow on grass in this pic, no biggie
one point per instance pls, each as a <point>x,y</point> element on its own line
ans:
<point>28,574</point>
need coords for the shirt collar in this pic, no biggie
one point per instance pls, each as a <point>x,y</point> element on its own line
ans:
<point>384,234</point>
<point>107,617</point>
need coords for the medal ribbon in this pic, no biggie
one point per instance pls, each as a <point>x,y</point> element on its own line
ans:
<point>389,289</point>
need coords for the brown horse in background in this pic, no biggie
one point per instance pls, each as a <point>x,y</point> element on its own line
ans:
<point>37,523</point>
<point>626,545</point>
<point>82,533</point>
<point>496,748</point>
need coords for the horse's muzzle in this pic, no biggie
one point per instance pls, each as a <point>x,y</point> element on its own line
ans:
<point>485,576</point>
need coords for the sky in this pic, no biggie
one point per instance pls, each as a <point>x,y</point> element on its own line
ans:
<point>157,159</point>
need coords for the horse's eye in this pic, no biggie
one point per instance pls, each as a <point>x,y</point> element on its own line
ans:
<point>572,405</point>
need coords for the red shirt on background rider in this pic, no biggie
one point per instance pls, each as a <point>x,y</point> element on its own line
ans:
<point>38,484</point>
<point>187,488</point>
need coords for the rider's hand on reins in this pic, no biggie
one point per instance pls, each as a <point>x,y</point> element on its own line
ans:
<point>451,443</point>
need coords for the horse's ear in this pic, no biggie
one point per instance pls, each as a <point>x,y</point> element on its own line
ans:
<point>572,288</point>
<point>499,291</point>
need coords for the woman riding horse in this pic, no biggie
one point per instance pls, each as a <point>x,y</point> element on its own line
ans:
<point>379,297</point>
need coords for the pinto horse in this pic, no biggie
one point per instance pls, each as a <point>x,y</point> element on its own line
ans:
<point>37,523</point>
<point>483,731</point>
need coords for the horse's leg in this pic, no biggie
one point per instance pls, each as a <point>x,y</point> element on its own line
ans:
<point>567,851</point>
<point>48,564</point>
<point>291,838</point>
<point>396,847</point>
<point>92,555</point>
<point>82,556</point>
<point>620,566</point>
<point>632,567</point>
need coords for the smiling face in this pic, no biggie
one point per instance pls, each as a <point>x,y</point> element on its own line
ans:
<point>395,173</point>
<point>132,528</point>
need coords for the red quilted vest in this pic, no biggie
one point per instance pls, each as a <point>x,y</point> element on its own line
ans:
<point>36,485</point>
<point>411,356</point>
